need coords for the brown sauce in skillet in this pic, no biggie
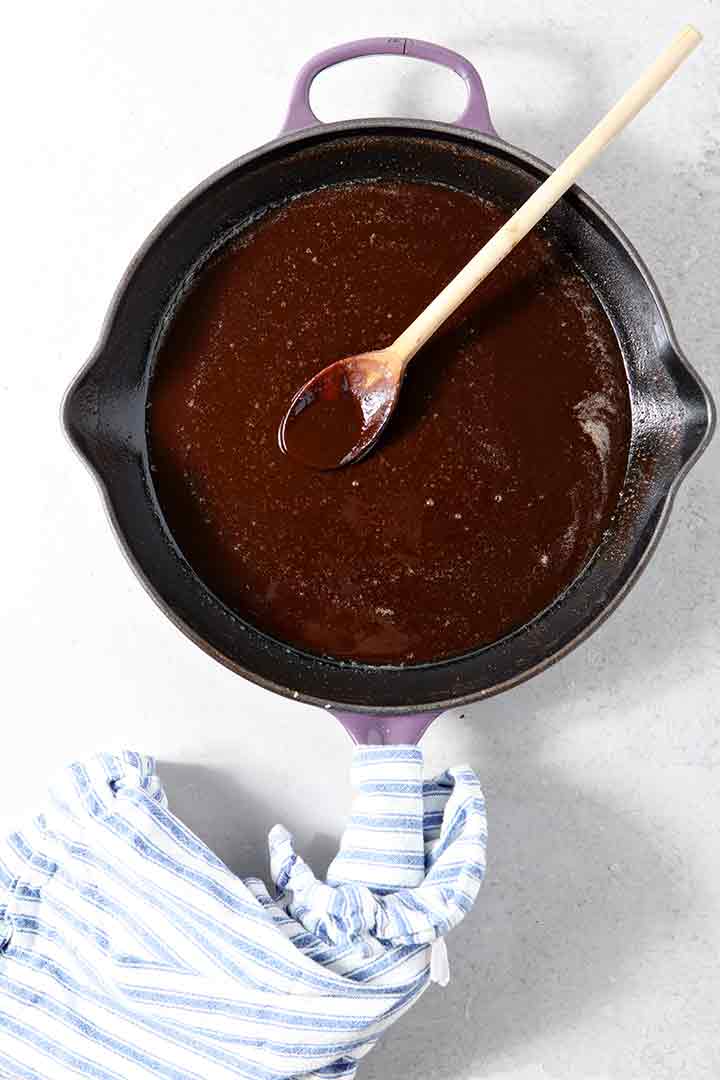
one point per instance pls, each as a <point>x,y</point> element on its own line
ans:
<point>497,477</point>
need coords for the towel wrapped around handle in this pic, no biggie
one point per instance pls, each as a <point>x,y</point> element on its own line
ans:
<point>128,949</point>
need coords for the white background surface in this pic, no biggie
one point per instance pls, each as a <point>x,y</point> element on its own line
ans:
<point>593,950</point>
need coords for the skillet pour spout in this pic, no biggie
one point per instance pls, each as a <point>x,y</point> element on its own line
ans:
<point>105,409</point>
<point>700,414</point>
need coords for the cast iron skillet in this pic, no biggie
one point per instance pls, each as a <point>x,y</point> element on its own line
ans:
<point>105,408</point>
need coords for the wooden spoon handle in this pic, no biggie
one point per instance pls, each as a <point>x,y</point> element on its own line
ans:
<point>545,197</point>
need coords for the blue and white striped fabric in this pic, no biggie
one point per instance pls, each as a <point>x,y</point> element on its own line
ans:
<point>129,950</point>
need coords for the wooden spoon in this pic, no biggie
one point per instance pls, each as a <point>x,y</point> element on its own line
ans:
<point>338,416</point>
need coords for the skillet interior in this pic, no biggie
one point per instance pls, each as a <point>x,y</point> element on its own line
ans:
<point>105,411</point>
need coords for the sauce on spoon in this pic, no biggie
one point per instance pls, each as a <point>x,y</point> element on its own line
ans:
<point>336,417</point>
<point>324,423</point>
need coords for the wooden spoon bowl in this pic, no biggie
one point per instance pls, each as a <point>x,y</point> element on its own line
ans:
<point>338,416</point>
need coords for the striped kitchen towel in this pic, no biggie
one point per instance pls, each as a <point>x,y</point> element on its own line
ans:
<point>129,950</point>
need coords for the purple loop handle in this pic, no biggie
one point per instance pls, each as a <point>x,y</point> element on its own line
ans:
<point>475,115</point>
<point>368,730</point>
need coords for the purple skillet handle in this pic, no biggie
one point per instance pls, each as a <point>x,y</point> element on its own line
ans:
<point>381,730</point>
<point>475,115</point>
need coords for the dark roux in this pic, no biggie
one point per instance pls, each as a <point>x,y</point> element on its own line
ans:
<point>499,471</point>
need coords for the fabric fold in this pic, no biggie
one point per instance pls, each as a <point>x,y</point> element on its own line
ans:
<point>128,949</point>
<point>397,878</point>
